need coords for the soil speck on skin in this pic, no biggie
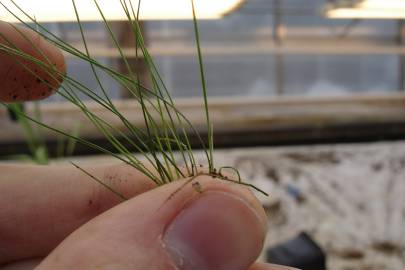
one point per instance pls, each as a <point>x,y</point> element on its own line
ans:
<point>197,186</point>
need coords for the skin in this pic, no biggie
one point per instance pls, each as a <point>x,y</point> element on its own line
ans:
<point>54,217</point>
<point>22,79</point>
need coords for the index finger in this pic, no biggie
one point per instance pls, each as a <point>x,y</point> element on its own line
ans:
<point>42,205</point>
<point>22,79</point>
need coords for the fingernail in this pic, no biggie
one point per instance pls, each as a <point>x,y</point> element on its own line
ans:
<point>217,231</point>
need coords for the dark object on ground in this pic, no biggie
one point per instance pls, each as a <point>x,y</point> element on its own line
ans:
<point>301,252</point>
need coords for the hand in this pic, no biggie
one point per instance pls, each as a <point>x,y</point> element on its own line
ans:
<point>55,217</point>
<point>43,207</point>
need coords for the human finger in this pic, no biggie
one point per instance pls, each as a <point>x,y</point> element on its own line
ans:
<point>42,205</point>
<point>23,79</point>
<point>217,226</point>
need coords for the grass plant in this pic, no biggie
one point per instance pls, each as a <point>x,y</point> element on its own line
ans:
<point>166,129</point>
<point>39,153</point>
<point>33,138</point>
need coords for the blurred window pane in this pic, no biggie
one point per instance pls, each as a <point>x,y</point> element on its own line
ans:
<point>317,56</point>
<point>340,75</point>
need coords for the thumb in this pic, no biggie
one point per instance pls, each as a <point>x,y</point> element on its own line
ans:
<point>218,226</point>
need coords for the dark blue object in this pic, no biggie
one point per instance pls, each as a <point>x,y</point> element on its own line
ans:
<point>301,252</point>
<point>295,193</point>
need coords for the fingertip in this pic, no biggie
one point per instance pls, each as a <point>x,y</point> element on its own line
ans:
<point>23,79</point>
<point>208,183</point>
<point>216,231</point>
<point>223,227</point>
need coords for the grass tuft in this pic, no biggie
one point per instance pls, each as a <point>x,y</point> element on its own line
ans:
<point>165,127</point>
